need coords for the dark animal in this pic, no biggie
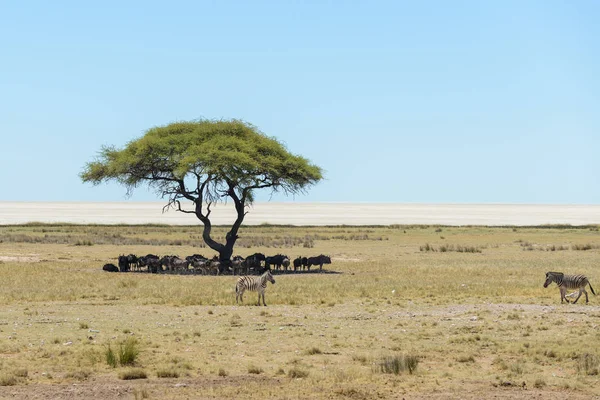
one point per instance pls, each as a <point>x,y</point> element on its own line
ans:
<point>237,265</point>
<point>132,261</point>
<point>253,262</point>
<point>123,263</point>
<point>110,268</point>
<point>297,263</point>
<point>199,263</point>
<point>304,262</point>
<point>565,282</point>
<point>318,260</point>
<point>285,263</point>
<point>151,261</point>
<point>276,260</point>
<point>174,263</point>
<point>255,284</point>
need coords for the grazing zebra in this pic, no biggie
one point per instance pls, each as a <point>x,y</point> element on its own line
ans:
<point>565,282</point>
<point>254,284</point>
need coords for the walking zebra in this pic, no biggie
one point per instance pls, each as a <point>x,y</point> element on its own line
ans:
<point>253,284</point>
<point>565,282</point>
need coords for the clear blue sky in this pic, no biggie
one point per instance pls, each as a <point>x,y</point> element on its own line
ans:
<point>398,101</point>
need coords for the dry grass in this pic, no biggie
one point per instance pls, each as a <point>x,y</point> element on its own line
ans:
<point>473,322</point>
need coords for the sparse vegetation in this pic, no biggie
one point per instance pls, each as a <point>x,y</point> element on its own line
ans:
<point>588,364</point>
<point>253,369</point>
<point>479,319</point>
<point>128,351</point>
<point>7,379</point>
<point>450,247</point>
<point>397,364</point>
<point>111,358</point>
<point>167,373</point>
<point>133,373</point>
<point>296,373</point>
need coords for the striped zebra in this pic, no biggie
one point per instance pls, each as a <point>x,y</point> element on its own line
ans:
<point>566,282</point>
<point>254,284</point>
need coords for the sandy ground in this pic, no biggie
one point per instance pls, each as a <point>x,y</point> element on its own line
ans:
<point>297,213</point>
<point>205,386</point>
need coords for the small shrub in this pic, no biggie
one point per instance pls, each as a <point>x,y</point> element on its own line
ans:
<point>167,373</point>
<point>465,359</point>
<point>313,351</point>
<point>517,368</point>
<point>397,364</point>
<point>139,394</point>
<point>236,321</point>
<point>550,353</point>
<point>514,316</point>
<point>253,369</point>
<point>588,364</point>
<point>80,375</point>
<point>427,247</point>
<point>295,373</point>
<point>128,351</point>
<point>539,383</point>
<point>222,372</point>
<point>8,380</point>
<point>111,359</point>
<point>133,373</point>
<point>21,372</point>
<point>582,247</point>
<point>83,325</point>
<point>360,358</point>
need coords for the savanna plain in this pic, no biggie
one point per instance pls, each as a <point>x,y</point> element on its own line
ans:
<point>401,312</point>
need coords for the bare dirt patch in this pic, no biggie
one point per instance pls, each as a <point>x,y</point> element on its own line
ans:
<point>20,259</point>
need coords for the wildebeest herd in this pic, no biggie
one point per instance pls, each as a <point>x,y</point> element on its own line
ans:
<point>254,264</point>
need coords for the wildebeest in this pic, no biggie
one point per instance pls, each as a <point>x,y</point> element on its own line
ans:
<point>297,263</point>
<point>199,263</point>
<point>238,265</point>
<point>285,263</point>
<point>276,260</point>
<point>174,263</point>
<point>110,268</point>
<point>252,263</point>
<point>318,260</point>
<point>132,261</point>
<point>151,261</point>
<point>123,263</point>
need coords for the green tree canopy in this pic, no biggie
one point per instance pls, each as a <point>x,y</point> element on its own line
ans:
<point>205,162</point>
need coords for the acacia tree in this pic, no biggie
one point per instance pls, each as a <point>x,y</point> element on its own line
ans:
<point>205,162</point>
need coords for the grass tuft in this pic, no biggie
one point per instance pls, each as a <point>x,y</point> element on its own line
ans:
<point>296,373</point>
<point>133,373</point>
<point>128,351</point>
<point>397,364</point>
<point>8,380</point>
<point>167,373</point>
<point>253,369</point>
<point>588,364</point>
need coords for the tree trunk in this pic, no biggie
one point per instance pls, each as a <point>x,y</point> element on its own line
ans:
<point>225,250</point>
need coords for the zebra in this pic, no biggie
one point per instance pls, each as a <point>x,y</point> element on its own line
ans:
<point>254,284</point>
<point>565,282</point>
